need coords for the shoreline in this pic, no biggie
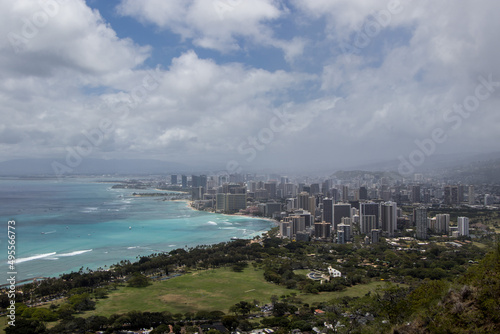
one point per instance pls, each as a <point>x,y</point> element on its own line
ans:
<point>190,202</point>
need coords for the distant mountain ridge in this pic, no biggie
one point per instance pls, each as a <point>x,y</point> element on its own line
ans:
<point>431,163</point>
<point>91,166</point>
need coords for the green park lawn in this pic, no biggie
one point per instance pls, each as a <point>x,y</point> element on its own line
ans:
<point>209,290</point>
<point>215,289</point>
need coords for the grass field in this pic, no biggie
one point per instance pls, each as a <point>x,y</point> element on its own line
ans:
<point>354,291</point>
<point>209,290</point>
<point>479,245</point>
<point>216,289</point>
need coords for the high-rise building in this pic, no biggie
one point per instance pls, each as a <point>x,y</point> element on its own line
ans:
<point>308,218</point>
<point>341,237</point>
<point>298,224</point>
<point>427,197</point>
<point>372,209</point>
<point>303,200</point>
<point>420,216</point>
<point>451,195</point>
<point>375,236</point>
<point>368,223</point>
<point>347,231</point>
<point>315,189</point>
<point>272,208</point>
<point>251,186</point>
<point>325,187</point>
<point>203,181</point>
<point>184,181</point>
<point>334,194</point>
<point>488,199</point>
<point>463,226</point>
<point>197,193</point>
<point>173,179</point>
<point>285,229</point>
<point>340,211</point>
<point>233,188</point>
<point>261,194</point>
<point>345,193</point>
<point>271,189</point>
<point>322,230</point>
<point>389,217</point>
<point>442,223</point>
<point>290,190</point>
<point>472,196</point>
<point>347,220</point>
<point>231,203</point>
<point>195,181</point>
<point>415,194</point>
<point>328,210</point>
<point>363,194</point>
<point>312,205</point>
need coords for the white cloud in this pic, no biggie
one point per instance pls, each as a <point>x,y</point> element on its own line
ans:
<point>217,24</point>
<point>204,107</point>
<point>74,72</point>
<point>68,35</point>
<point>404,95</point>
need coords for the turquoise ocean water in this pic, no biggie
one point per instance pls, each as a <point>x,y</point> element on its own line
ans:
<point>62,226</point>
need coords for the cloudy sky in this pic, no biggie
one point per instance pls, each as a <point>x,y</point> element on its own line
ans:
<point>260,83</point>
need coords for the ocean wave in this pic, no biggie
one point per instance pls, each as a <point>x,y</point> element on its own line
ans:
<point>211,223</point>
<point>34,257</point>
<point>89,210</point>
<point>76,252</point>
<point>133,247</point>
<point>50,232</point>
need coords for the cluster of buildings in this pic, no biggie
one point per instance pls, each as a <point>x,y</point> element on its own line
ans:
<point>335,209</point>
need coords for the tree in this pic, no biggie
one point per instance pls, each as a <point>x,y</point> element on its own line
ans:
<point>138,280</point>
<point>242,307</point>
<point>230,322</point>
<point>96,322</point>
<point>81,302</point>
<point>26,326</point>
<point>101,293</point>
<point>44,314</point>
<point>239,266</point>
<point>161,329</point>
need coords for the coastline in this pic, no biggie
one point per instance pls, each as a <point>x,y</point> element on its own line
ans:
<point>190,202</point>
<point>106,226</point>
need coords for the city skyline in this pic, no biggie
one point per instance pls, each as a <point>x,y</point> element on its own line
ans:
<point>249,86</point>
